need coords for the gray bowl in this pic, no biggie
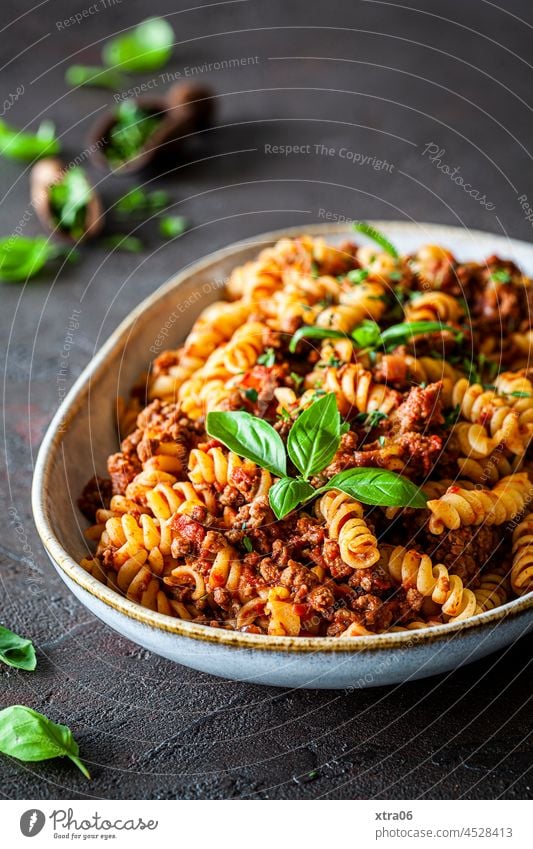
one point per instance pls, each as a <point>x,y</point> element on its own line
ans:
<point>86,421</point>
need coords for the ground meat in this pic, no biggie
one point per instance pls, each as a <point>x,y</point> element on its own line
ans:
<point>321,599</point>
<point>166,423</point>
<point>342,619</point>
<point>122,469</point>
<point>295,576</point>
<point>420,410</point>
<point>465,551</point>
<point>187,535</point>
<point>269,571</point>
<point>95,495</point>
<point>336,565</point>
<point>419,452</point>
<point>222,597</point>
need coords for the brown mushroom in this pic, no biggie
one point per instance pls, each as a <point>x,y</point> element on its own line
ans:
<point>45,174</point>
<point>186,108</point>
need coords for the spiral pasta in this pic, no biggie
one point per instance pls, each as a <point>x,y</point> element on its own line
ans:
<point>522,566</point>
<point>410,569</point>
<point>187,528</point>
<point>460,507</point>
<point>344,518</point>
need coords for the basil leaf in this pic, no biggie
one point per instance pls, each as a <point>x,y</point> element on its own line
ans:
<point>26,147</point>
<point>22,257</point>
<point>399,333</point>
<point>250,437</point>
<point>377,486</point>
<point>30,736</point>
<point>172,226</point>
<point>312,332</point>
<point>90,75</point>
<point>367,334</point>
<point>145,48</point>
<point>287,494</point>
<point>315,435</point>
<point>376,236</point>
<point>16,651</point>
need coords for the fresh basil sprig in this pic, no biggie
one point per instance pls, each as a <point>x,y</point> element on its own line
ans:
<point>28,735</point>
<point>312,443</point>
<point>172,226</point>
<point>16,651</point>
<point>368,334</point>
<point>26,147</point>
<point>22,257</point>
<point>145,48</point>
<point>376,236</point>
<point>140,202</point>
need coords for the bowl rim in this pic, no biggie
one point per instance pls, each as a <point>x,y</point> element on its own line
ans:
<point>77,396</point>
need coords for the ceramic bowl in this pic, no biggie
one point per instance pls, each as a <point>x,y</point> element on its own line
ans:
<point>83,433</point>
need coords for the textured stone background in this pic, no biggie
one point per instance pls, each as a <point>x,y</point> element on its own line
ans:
<point>380,79</point>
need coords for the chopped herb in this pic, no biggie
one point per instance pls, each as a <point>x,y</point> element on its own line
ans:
<point>139,201</point>
<point>500,275</point>
<point>395,275</point>
<point>252,395</point>
<point>268,358</point>
<point>334,362</point>
<point>325,302</point>
<point>518,394</point>
<point>315,271</point>
<point>370,420</point>
<point>382,440</point>
<point>296,378</point>
<point>69,199</point>
<point>130,244</point>
<point>90,75</point>
<point>284,415</point>
<point>247,542</point>
<point>173,226</point>
<point>130,132</point>
<point>357,275</point>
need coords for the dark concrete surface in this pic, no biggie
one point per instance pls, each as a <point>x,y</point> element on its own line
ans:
<point>379,79</point>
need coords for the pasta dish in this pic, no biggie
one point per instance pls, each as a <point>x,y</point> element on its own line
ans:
<point>337,449</point>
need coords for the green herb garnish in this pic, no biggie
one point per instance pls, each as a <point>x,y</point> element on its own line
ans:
<point>173,226</point>
<point>369,335</point>
<point>370,420</point>
<point>376,236</point>
<point>357,275</point>
<point>251,394</point>
<point>22,257</point>
<point>92,75</point>
<point>247,542</point>
<point>69,199</point>
<point>26,147</point>
<point>16,651</point>
<point>145,48</point>
<point>268,358</point>
<point>130,132</point>
<point>312,443</point>
<point>31,736</point>
<point>139,202</point>
<point>500,275</point>
<point>121,242</point>
<point>452,416</point>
